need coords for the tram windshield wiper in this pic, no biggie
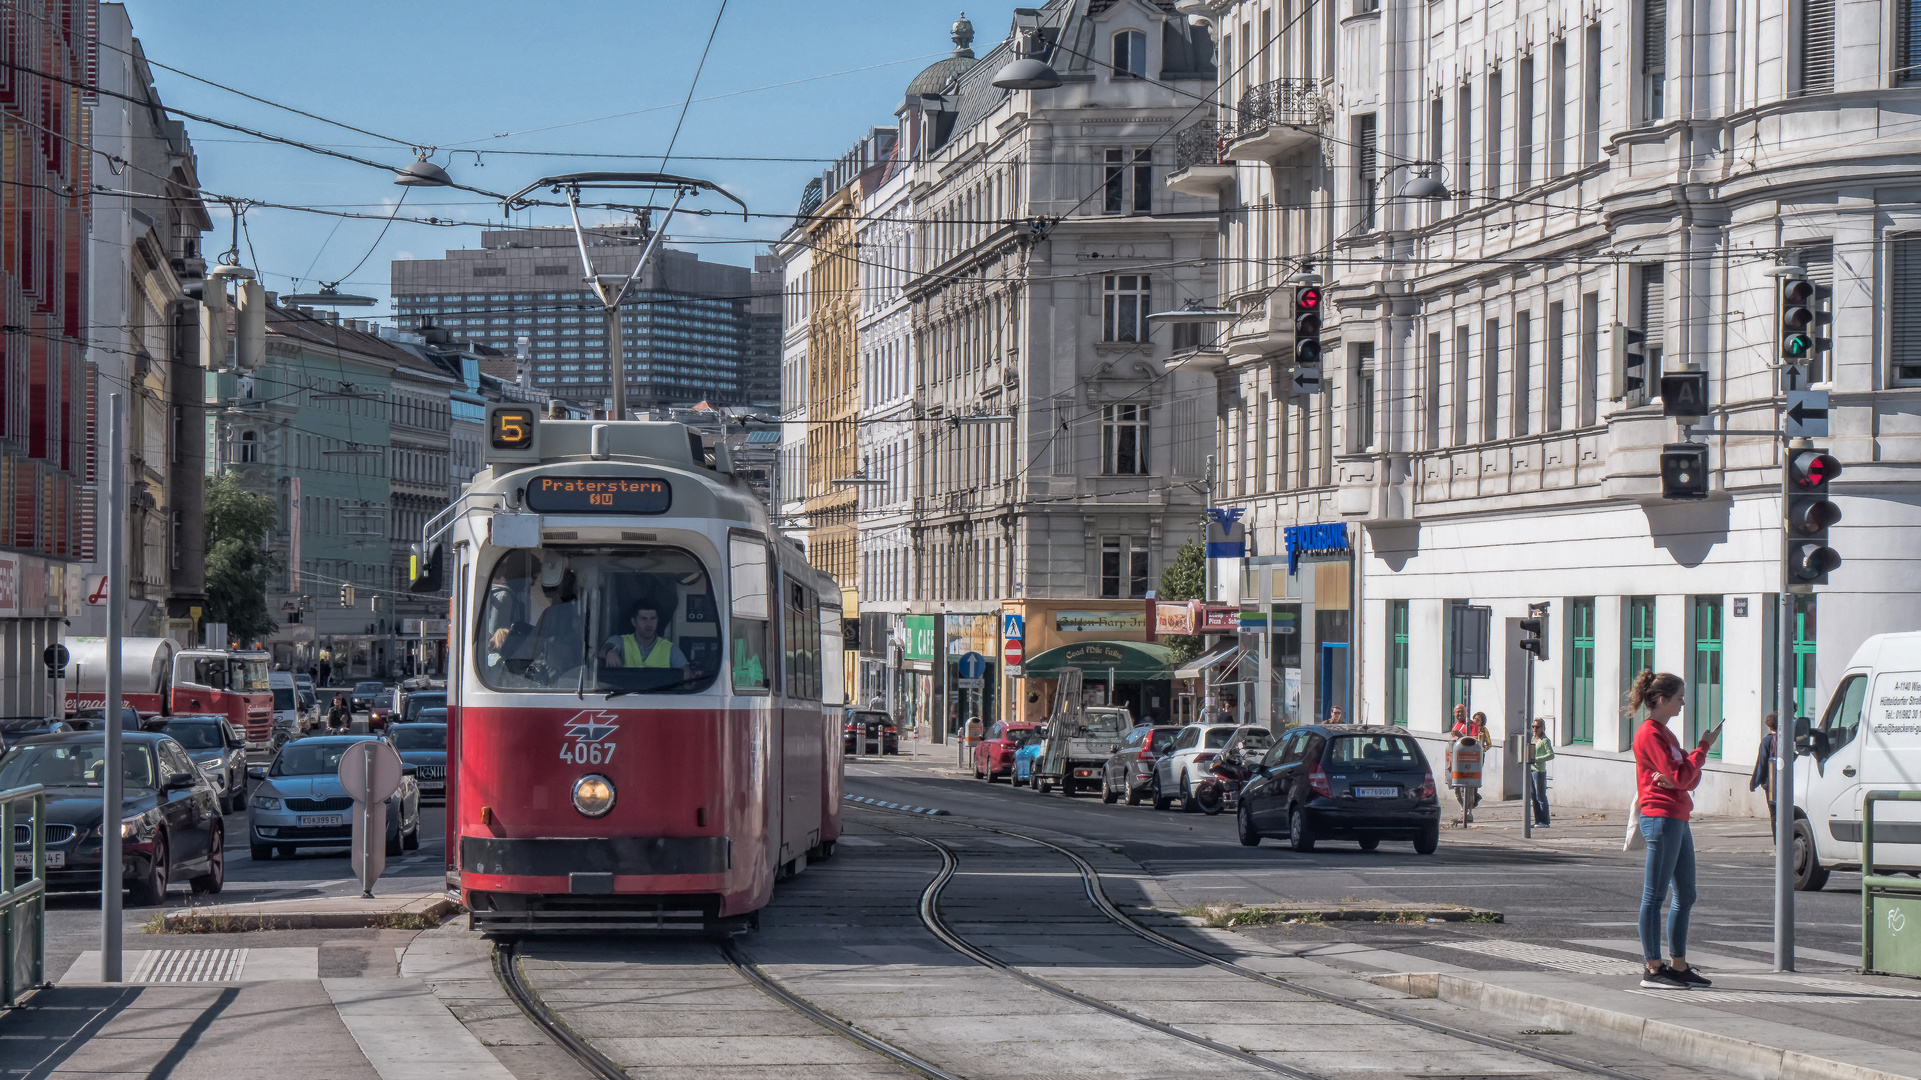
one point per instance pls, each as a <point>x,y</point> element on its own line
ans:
<point>586,650</point>
<point>612,694</point>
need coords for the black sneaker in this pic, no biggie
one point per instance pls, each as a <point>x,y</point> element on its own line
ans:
<point>1663,978</point>
<point>1690,976</point>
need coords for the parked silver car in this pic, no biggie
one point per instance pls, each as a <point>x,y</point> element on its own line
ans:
<point>1184,765</point>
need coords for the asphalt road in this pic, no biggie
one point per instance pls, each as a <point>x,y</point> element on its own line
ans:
<point>1543,895</point>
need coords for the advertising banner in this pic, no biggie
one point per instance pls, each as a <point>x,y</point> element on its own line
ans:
<point>1174,618</point>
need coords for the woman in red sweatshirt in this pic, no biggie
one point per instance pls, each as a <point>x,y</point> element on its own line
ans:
<point>1663,776</point>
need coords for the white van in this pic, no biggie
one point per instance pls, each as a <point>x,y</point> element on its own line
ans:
<point>288,714</point>
<point>1868,739</point>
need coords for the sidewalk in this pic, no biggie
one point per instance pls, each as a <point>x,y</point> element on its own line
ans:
<point>1579,829</point>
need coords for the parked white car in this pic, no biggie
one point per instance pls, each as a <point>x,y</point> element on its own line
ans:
<point>1868,739</point>
<point>1184,765</point>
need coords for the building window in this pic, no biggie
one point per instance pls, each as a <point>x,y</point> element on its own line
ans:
<point>1130,54</point>
<point>1704,697</point>
<point>1137,576</point>
<point>1363,405</point>
<point>1124,440</point>
<point>1638,651</point>
<point>1816,28</point>
<point>1457,686</point>
<point>1129,180</point>
<point>1907,60</point>
<point>249,447</point>
<point>1397,662</point>
<point>1366,168</point>
<point>1652,300</point>
<point>1804,653</point>
<point>1654,59</point>
<point>1490,378</point>
<point>1124,567</point>
<point>1124,306</point>
<point>1111,568</point>
<point>1580,672</point>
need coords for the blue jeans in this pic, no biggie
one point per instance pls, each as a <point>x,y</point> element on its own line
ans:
<point>1670,859</point>
<point>1537,794</point>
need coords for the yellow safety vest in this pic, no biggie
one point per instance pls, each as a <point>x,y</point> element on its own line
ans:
<point>658,656</point>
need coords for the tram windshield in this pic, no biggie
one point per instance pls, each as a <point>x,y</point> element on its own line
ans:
<point>606,621</point>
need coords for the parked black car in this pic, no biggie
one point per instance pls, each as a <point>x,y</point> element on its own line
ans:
<point>15,728</point>
<point>1342,782</point>
<point>169,822</point>
<point>869,727</point>
<point>424,746</point>
<point>1130,770</point>
<point>219,750</point>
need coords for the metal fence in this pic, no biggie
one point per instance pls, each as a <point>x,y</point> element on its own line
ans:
<point>1283,101</point>
<point>1201,144</point>
<point>23,904</point>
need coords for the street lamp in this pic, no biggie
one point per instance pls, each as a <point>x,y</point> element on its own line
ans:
<point>329,296</point>
<point>1027,71</point>
<point>423,173</point>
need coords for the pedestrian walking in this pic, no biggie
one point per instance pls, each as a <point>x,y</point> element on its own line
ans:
<point>1540,752</point>
<point>1663,776</point>
<point>1764,762</point>
<point>341,716</point>
<point>326,669</point>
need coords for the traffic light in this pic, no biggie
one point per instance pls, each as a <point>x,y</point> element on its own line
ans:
<point>1808,514</point>
<point>1797,320</point>
<point>1628,355</point>
<point>346,596</point>
<point>1534,629</point>
<point>1684,394</point>
<point>1684,471</point>
<point>425,571</point>
<point>1307,338</point>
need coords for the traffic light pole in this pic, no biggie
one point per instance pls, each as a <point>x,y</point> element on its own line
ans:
<point>1784,739</point>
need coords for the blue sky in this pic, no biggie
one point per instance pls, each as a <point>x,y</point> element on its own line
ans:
<point>457,75</point>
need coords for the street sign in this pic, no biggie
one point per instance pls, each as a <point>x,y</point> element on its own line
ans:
<point>1013,627</point>
<point>971,666</point>
<point>1684,393</point>
<point>1468,628</point>
<point>1013,651</point>
<point>370,773</point>
<point>55,656</point>
<point>1807,414</point>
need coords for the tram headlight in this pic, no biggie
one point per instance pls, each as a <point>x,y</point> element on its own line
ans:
<point>593,795</point>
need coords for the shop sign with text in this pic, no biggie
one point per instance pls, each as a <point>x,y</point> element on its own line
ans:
<point>1100,622</point>
<point>1174,618</point>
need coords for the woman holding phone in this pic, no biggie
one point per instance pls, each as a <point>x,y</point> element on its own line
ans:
<point>1663,777</point>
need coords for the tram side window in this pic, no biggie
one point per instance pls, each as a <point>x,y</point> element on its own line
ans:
<point>617,620</point>
<point>832,675</point>
<point>800,632</point>
<point>748,575</point>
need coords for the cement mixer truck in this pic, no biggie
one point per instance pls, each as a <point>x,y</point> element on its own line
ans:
<point>158,678</point>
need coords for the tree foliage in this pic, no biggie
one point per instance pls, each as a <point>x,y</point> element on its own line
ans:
<point>1184,579</point>
<point>239,567</point>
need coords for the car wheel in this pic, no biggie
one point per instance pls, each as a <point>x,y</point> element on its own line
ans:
<point>412,840</point>
<point>151,890</point>
<point>260,852</point>
<point>1108,794</point>
<point>1041,785</point>
<point>1188,805</point>
<point>1809,874</point>
<point>1300,835</point>
<point>977,773</point>
<point>394,845</point>
<point>216,876</point>
<point>1244,827</point>
<point>1161,801</point>
<point>1430,839</point>
<point>1369,843</point>
<point>1133,793</point>
<point>239,799</point>
<point>226,805</point>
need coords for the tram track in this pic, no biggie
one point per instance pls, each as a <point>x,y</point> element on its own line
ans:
<point>1097,895</point>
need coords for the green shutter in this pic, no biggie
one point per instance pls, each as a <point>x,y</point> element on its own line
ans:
<point>1580,680</point>
<point>1703,709</point>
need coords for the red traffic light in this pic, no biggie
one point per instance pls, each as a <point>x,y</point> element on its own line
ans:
<point>1307,298</point>
<point>1812,469</point>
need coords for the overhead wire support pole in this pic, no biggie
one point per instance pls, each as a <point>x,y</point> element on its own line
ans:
<point>111,780</point>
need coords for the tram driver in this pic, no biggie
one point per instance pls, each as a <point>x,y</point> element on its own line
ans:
<point>552,646</point>
<point>644,647</point>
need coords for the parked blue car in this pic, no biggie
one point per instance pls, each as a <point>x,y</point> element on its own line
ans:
<point>299,801</point>
<point>1027,755</point>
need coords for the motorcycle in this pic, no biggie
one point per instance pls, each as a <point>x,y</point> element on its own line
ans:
<point>1222,788</point>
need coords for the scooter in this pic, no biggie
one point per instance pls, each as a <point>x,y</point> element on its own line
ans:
<point>1222,788</point>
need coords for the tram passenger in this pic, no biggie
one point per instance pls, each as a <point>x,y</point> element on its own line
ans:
<point>645,648</point>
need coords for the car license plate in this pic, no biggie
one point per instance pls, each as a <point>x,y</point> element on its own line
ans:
<point>23,860</point>
<point>315,821</point>
<point>1376,792</point>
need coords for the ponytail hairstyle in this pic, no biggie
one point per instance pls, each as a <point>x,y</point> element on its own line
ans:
<point>1649,687</point>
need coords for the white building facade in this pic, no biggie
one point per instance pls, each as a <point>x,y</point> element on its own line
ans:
<point>1472,444</point>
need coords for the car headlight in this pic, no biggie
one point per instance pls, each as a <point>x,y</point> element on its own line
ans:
<point>264,802</point>
<point>593,795</point>
<point>213,766</point>
<point>140,826</point>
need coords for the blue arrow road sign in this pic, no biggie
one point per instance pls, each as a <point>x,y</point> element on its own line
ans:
<point>972,666</point>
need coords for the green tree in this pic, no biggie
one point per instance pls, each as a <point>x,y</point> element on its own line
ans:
<point>239,567</point>
<point>1184,579</point>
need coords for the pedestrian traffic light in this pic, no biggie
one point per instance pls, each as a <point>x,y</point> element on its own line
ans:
<point>346,596</point>
<point>1684,471</point>
<point>1307,338</point>
<point>1534,630</point>
<point>1797,320</point>
<point>1628,355</point>
<point>1808,514</point>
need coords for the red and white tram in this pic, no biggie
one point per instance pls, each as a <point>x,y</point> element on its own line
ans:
<point>644,684</point>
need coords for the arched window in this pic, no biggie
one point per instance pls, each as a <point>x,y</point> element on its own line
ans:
<point>249,447</point>
<point>1130,54</point>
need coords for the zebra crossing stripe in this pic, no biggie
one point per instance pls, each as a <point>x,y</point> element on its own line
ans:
<point>928,810</point>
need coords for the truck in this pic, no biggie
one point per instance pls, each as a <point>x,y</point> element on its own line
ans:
<point>1867,739</point>
<point>1079,739</point>
<point>159,678</point>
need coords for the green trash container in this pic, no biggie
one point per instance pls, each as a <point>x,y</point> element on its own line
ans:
<point>1890,906</point>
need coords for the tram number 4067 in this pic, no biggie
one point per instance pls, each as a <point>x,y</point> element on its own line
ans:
<point>586,753</point>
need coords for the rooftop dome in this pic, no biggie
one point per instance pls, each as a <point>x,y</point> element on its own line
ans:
<point>937,75</point>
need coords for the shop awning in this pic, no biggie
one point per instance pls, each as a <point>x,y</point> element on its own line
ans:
<point>1221,659</point>
<point>1132,661</point>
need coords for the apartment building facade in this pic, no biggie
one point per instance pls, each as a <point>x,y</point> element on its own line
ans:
<point>1473,442</point>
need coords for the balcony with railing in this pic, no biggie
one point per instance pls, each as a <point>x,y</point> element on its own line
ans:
<point>1276,119</point>
<point>1199,167</point>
